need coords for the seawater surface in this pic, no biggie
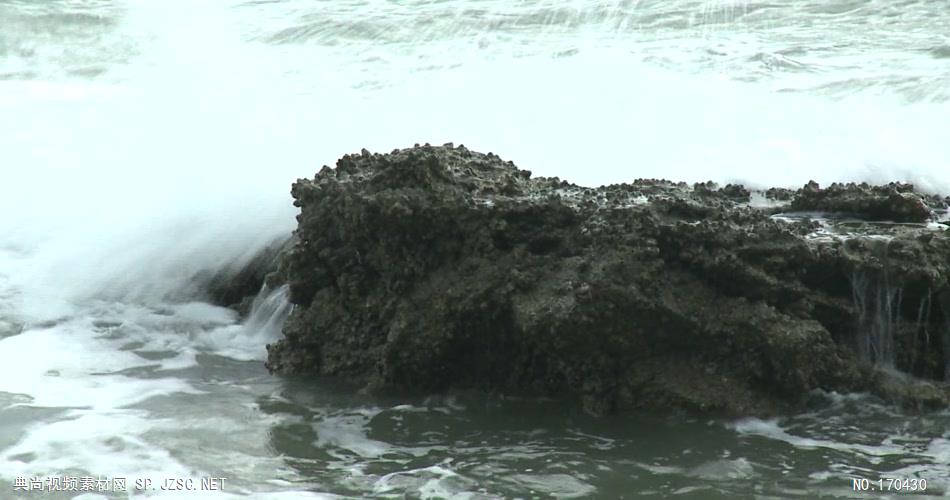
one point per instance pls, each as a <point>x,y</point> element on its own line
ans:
<point>143,144</point>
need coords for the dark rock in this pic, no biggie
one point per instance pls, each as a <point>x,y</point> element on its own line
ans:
<point>437,267</point>
<point>732,192</point>
<point>779,194</point>
<point>736,192</point>
<point>892,202</point>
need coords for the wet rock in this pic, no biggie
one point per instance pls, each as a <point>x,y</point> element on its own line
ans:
<point>779,194</point>
<point>732,192</point>
<point>894,202</point>
<point>432,268</point>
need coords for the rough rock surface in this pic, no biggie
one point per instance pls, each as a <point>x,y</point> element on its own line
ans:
<point>894,202</point>
<point>438,267</point>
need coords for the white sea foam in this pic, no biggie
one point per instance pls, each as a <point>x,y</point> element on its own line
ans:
<point>346,435</point>
<point>723,470</point>
<point>772,430</point>
<point>65,366</point>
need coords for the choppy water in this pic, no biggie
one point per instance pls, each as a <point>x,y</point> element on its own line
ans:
<point>142,143</point>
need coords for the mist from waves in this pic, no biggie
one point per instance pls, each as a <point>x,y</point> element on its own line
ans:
<point>180,152</point>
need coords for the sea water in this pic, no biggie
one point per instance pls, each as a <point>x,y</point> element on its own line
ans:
<point>145,143</point>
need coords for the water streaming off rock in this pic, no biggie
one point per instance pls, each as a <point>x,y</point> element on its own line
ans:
<point>268,312</point>
<point>878,307</point>
<point>146,142</point>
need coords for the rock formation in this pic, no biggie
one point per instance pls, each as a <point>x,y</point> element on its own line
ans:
<point>433,268</point>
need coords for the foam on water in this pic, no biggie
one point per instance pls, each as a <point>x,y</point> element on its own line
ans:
<point>858,436</point>
<point>69,366</point>
<point>77,377</point>
<point>430,482</point>
<point>348,433</point>
<point>772,430</point>
<point>118,391</point>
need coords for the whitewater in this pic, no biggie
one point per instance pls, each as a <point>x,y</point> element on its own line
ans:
<point>144,144</point>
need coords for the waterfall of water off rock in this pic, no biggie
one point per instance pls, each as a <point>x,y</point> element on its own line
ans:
<point>901,328</point>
